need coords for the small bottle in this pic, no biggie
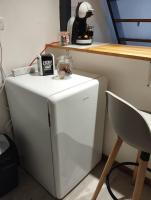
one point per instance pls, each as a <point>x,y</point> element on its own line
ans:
<point>90,32</point>
<point>64,38</point>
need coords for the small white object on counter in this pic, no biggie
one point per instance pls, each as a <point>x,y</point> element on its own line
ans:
<point>21,70</point>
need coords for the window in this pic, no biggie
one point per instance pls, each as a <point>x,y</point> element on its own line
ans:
<point>132,21</point>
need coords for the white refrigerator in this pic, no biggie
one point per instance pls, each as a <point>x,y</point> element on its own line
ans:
<point>58,126</point>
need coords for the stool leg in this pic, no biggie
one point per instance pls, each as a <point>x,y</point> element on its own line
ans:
<point>136,168</point>
<point>108,166</point>
<point>143,163</point>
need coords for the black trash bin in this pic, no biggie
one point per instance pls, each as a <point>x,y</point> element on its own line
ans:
<point>9,161</point>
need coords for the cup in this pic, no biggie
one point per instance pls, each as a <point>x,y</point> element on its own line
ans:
<point>64,38</point>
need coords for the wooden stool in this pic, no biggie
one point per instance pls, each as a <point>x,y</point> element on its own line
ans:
<point>133,127</point>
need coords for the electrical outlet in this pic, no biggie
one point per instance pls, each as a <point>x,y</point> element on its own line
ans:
<point>2,27</point>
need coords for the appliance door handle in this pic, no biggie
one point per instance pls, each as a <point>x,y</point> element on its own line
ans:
<point>49,122</point>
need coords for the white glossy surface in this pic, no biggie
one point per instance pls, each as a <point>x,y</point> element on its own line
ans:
<point>29,114</point>
<point>47,85</point>
<point>147,117</point>
<point>61,155</point>
<point>73,124</point>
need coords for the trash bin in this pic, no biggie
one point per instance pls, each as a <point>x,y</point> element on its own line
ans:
<point>9,161</point>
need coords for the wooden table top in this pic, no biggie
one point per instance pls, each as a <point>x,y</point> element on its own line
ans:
<point>126,51</point>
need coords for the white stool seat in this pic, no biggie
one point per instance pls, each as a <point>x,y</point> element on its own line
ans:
<point>132,126</point>
<point>147,117</point>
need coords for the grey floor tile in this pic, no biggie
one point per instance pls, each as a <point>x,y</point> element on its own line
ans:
<point>29,189</point>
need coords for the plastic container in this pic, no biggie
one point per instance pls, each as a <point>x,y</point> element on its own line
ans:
<point>64,38</point>
<point>64,66</point>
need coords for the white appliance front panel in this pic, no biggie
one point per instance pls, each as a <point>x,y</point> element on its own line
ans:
<point>29,114</point>
<point>73,115</point>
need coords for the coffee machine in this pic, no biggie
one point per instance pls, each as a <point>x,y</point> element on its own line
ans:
<point>80,32</point>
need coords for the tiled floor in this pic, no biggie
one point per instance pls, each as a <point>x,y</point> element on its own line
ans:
<point>29,189</point>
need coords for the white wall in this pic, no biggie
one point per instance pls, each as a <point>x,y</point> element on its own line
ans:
<point>29,25</point>
<point>127,78</point>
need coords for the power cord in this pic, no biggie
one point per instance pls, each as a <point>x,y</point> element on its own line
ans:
<point>3,75</point>
<point>55,42</point>
<point>2,85</point>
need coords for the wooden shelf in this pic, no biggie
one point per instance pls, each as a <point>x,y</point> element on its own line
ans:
<point>132,20</point>
<point>135,40</point>
<point>125,51</point>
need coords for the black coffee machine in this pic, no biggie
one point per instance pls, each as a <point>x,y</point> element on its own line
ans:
<point>80,32</point>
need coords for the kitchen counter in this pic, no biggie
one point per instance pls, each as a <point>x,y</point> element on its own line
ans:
<point>118,50</point>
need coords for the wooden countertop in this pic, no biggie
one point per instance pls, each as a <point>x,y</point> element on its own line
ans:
<point>126,51</point>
